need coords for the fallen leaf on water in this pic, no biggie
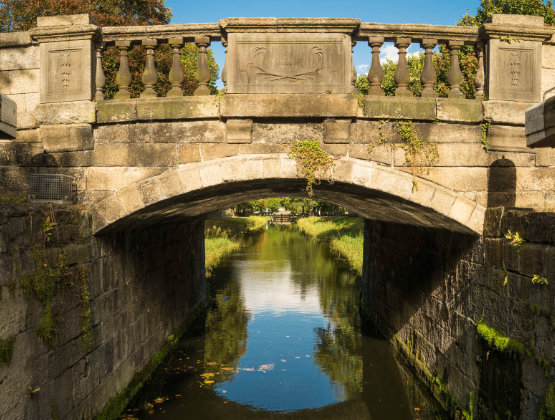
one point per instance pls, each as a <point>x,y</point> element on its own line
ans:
<point>229,369</point>
<point>417,409</point>
<point>159,400</point>
<point>207,375</point>
<point>208,381</point>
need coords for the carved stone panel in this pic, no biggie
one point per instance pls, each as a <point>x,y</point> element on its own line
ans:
<point>66,71</point>
<point>288,63</point>
<point>514,69</point>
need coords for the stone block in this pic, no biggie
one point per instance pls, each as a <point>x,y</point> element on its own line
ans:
<point>63,138</point>
<point>505,112</point>
<point>443,201</point>
<point>28,136</point>
<point>548,82</point>
<point>151,191</point>
<point>131,199</point>
<point>337,131</point>
<point>197,132</point>
<point>65,20</point>
<point>189,153</point>
<point>216,151</point>
<point>465,179</point>
<point>464,110</point>
<point>185,107</point>
<point>190,178</point>
<point>66,71</point>
<point>288,63</point>
<point>392,182</point>
<point>170,184</point>
<point>19,58</point>
<point>503,137</point>
<point>116,110</point>
<point>540,124</point>
<point>153,155</point>
<point>210,174</point>
<point>112,155</point>
<point>285,133</point>
<point>19,81</point>
<point>283,105</point>
<point>362,175</point>
<point>399,107</point>
<point>8,116</point>
<point>65,113</point>
<point>238,131</point>
<point>110,178</point>
<point>514,70</point>
<point>380,153</point>
<point>15,39</point>
<point>462,210</point>
<point>260,148</point>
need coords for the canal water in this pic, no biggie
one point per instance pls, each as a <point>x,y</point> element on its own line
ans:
<point>282,340</point>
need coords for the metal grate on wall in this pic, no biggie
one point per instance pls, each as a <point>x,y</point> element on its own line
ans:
<point>55,188</point>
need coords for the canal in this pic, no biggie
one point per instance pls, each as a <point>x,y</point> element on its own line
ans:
<point>282,339</point>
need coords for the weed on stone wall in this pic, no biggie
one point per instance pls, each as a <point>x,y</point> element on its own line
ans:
<point>420,155</point>
<point>484,137</point>
<point>501,343</point>
<point>516,241</point>
<point>315,162</point>
<point>6,349</point>
<point>547,409</point>
<point>45,281</point>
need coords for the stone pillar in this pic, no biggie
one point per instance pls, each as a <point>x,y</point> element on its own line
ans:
<point>428,77</point>
<point>100,79</point>
<point>202,43</point>
<point>67,57</point>
<point>402,75</point>
<point>123,76</point>
<point>479,81</point>
<point>514,57</point>
<point>149,76</point>
<point>455,76</point>
<point>375,73</point>
<point>176,72</point>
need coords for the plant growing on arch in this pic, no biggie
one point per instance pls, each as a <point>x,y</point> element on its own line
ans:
<point>315,162</point>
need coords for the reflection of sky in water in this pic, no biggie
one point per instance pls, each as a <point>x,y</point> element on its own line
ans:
<point>280,339</point>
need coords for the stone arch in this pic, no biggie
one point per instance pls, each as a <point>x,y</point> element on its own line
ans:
<point>372,190</point>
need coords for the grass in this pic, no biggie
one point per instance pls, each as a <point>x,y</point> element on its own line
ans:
<point>222,237</point>
<point>345,235</point>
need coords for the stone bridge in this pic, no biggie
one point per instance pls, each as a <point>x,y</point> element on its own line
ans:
<point>150,169</point>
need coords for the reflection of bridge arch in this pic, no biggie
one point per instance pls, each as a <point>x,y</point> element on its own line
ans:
<point>371,190</point>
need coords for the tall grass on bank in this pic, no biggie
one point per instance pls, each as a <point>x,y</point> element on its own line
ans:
<point>345,235</point>
<point>222,237</point>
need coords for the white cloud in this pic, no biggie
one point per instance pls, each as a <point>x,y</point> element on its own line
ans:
<point>389,52</point>
<point>363,68</point>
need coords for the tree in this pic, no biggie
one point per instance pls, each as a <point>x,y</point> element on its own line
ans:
<point>510,7</point>
<point>20,15</point>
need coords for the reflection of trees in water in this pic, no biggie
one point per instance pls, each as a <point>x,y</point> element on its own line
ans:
<point>338,351</point>
<point>338,348</point>
<point>226,330</point>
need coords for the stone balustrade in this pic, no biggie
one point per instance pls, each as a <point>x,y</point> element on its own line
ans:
<point>302,55</point>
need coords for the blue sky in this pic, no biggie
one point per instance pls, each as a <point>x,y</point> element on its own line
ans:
<point>436,12</point>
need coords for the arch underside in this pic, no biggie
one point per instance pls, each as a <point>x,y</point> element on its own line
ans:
<point>371,191</point>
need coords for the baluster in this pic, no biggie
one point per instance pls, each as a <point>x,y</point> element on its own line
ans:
<point>176,72</point>
<point>203,71</point>
<point>99,78</point>
<point>150,77</point>
<point>375,73</point>
<point>402,75</point>
<point>479,82</point>
<point>455,76</point>
<point>123,76</point>
<point>428,77</point>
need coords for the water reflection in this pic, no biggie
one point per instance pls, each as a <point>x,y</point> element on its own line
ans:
<point>282,339</point>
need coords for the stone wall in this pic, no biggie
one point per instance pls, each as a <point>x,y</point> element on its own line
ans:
<point>19,79</point>
<point>143,285</point>
<point>426,289</point>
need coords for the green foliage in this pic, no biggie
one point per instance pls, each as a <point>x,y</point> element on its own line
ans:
<point>13,198</point>
<point>501,343</point>
<point>515,239</point>
<point>6,349</point>
<point>537,279</point>
<point>21,15</point>
<point>511,7</point>
<point>315,162</point>
<point>550,401</point>
<point>345,235</point>
<point>54,411</point>
<point>484,137</point>
<point>420,155</point>
<point>85,318</point>
<point>222,237</point>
